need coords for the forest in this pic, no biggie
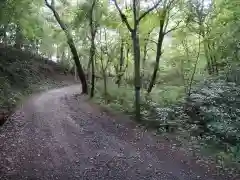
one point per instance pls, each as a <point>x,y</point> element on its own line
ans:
<point>172,65</point>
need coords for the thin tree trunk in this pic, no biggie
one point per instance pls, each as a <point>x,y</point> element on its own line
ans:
<point>158,55</point>
<point>206,51</point>
<point>89,71</point>
<point>144,57</point>
<point>145,51</point>
<point>92,53</point>
<point>103,70</point>
<point>105,86</point>
<point>121,63</point>
<point>195,68</point>
<point>213,58</point>
<point>93,29</point>
<point>71,46</point>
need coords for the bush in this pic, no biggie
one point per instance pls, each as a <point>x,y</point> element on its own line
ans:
<point>166,95</point>
<point>217,104</point>
<point>118,98</point>
<point>157,109</point>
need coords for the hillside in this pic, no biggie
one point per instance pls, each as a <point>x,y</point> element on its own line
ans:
<point>22,73</point>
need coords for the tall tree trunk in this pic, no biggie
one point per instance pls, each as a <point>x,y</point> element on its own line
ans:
<point>158,55</point>
<point>210,68</point>
<point>137,59</point>
<point>144,57</point>
<point>195,68</point>
<point>93,29</point>
<point>136,54</point>
<point>209,61</point>
<point>103,70</point>
<point>121,63</point>
<point>146,40</point>
<point>145,51</point>
<point>136,47</point>
<point>212,58</point>
<point>105,87</point>
<point>105,84</point>
<point>71,46</point>
<point>80,72</point>
<point>92,54</point>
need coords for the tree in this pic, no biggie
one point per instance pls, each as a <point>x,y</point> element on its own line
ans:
<point>120,69</point>
<point>164,17</point>
<point>199,21</point>
<point>104,50</point>
<point>71,44</point>
<point>136,46</point>
<point>93,30</point>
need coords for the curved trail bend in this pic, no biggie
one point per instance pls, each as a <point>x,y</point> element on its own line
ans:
<point>55,135</point>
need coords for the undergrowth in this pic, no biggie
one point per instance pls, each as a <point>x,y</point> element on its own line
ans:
<point>23,73</point>
<point>214,130</point>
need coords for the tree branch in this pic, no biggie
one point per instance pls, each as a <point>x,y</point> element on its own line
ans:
<point>174,28</point>
<point>150,40</point>
<point>151,48</point>
<point>56,15</point>
<point>148,11</point>
<point>123,16</point>
<point>50,6</point>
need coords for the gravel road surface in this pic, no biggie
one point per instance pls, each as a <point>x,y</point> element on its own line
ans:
<point>59,135</point>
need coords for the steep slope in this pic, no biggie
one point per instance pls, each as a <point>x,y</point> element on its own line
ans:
<point>22,72</point>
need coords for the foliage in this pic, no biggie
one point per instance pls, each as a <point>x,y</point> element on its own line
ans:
<point>22,73</point>
<point>218,106</point>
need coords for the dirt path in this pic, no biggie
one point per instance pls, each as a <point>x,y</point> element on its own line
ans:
<point>57,136</point>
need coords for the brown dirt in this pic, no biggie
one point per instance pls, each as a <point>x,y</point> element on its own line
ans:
<point>58,135</point>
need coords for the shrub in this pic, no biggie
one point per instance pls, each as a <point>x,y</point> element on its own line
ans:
<point>217,104</point>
